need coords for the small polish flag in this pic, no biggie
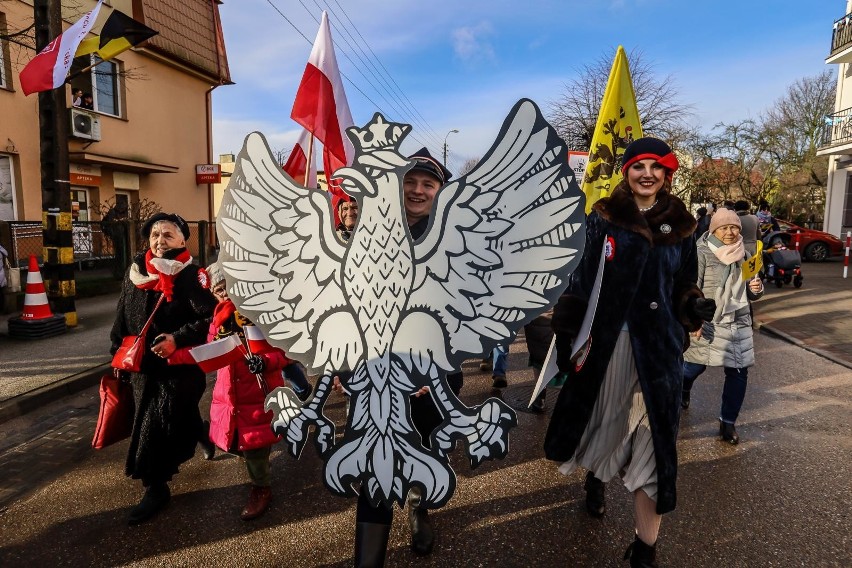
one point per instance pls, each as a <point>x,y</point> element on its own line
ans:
<point>298,160</point>
<point>219,353</point>
<point>257,343</point>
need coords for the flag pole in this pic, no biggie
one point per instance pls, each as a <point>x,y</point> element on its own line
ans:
<point>310,158</point>
<point>261,382</point>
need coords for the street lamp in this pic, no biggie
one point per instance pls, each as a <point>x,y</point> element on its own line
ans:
<point>445,143</point>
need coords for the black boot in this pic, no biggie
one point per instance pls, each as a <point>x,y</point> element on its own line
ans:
<point>537,407</point>
<point>422,536</point>
<point>371,544</point>
<point>156,498</point>
<point>208,449</point>
<point>595,495</point>
<point>641,555</point>
<point>684,399</point>
<point>728,433</point>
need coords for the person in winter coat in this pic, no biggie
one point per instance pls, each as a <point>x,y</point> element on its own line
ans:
<point>238,421</point>
<point>347,211</point>
<point>750,232</point>
<point>167,424</point>
<point>618,412</point>
<point>727,340</point>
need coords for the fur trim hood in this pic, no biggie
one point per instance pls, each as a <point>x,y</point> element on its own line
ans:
<point>666,224</point>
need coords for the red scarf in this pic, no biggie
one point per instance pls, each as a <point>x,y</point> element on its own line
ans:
<point>163,282</point>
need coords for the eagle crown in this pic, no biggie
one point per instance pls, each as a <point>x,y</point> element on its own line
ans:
<point>378,135</point>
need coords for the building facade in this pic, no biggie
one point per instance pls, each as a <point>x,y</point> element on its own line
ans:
<point>149,124</point>
<point>837,135</point>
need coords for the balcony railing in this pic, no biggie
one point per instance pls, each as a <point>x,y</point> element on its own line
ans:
<point>841,36</point>
<point>837,128</point>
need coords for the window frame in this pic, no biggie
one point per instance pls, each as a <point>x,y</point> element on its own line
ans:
<point>97,68</point>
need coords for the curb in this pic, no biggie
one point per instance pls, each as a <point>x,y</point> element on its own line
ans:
<point>35,399</point>
<point>769,330</point>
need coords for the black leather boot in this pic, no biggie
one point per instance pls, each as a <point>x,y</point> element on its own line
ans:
<point>728,433</point>
<point>156,498</point>
<point>684,399</point>
<point>641,555</point>
<point>422,536</point>
<point>595,495</point>
<point>371,544</point>
<point>208,449</point>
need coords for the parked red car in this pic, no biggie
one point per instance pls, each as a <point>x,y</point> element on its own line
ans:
<point>813,245</point>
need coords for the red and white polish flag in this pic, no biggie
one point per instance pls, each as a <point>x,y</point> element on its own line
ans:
<point>257,342</point>
<point>321,105</point>
<point>48,69</point>
<point>298,160</point>
<point>219,353</point>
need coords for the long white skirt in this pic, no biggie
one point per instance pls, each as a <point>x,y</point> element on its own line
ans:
<point>617,440</point>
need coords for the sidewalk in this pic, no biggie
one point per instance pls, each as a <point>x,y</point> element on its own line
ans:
<point>34,372</point>
<point>816,316</point>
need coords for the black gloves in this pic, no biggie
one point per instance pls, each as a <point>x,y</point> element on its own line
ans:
<point>255,364</point>
<point>702,308</point>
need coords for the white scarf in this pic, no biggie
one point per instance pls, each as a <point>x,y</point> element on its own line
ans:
<point>731,293</point>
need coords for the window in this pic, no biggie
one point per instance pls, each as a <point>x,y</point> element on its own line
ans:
<point>7,189</point>
<point>98,80</point>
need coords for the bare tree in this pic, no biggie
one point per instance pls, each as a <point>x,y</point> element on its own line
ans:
<point>575,112</point>
<point>468,166</point>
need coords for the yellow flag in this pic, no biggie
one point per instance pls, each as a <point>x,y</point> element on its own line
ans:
<point>618,125</point>
<point>753,265</point>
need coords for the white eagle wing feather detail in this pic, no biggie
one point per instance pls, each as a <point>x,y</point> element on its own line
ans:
<point>499,240</point>
<point>264,205</point>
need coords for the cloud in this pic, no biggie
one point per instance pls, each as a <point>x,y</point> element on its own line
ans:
<point>471,45</point>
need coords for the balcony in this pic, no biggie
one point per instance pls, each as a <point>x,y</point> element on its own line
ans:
<point>837,134</point>
<point>841,41</point>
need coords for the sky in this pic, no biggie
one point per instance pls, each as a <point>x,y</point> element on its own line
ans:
<point>462,64</point>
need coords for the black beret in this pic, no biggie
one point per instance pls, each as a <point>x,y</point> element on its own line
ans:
<point>424,162</point>
<point>171,218</point>
<point>648,147</point>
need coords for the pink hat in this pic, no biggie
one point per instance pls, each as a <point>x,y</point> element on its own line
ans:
<point>724,217</point>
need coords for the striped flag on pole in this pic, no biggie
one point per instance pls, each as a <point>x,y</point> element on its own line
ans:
<point>298,160</point>
<point>321,105</point>
<point>257,343</point>
<point>48,69</point>
<point>219,353</point>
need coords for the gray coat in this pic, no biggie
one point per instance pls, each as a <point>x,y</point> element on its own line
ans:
<point>750,231</point>
<point>721,345</point>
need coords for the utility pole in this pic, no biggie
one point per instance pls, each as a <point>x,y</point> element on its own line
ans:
<point>453,131</point>
<point>58,253</point>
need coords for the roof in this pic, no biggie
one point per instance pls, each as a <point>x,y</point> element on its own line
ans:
<point>190,32</point>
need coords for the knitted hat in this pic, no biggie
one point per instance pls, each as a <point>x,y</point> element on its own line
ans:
<point>216,273</point>
<point>653,148</point>
<point>424,162</point>
<point>177,220</point>
<point>724,217</point>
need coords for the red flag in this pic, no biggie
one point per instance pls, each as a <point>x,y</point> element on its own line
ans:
<point>298,159</point>
<point>48,69</point>
<point>257,343</point>
<point>219,353</point>
<point>321,105</point>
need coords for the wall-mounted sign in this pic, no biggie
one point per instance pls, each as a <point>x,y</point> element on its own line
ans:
<point>84,174</point>
<point>208,173</point>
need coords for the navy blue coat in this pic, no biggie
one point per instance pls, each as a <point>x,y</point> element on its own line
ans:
<point>649,275</point>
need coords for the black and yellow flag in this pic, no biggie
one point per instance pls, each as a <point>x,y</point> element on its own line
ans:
<point>119,33</point>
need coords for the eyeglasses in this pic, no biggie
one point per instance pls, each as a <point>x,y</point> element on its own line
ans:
<point>729,228</point>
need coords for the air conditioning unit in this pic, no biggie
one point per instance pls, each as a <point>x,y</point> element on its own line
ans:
<point>85,125</point>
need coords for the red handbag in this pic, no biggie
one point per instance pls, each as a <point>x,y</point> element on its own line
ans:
<point>129,354</point>
<point>115,418</point>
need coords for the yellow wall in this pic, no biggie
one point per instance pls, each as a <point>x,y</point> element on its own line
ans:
<point>164,121</point>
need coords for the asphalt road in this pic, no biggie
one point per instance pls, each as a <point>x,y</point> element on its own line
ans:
<point>781,498</point>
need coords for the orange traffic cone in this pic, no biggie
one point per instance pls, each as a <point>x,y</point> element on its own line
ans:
<point>36,320</point>
<point>35,298</point>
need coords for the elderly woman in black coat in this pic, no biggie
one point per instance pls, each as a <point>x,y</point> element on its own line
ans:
<point>167,423</point>
<point>617,414</point>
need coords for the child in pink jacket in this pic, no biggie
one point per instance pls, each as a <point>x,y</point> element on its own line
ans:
<point>238,422</point>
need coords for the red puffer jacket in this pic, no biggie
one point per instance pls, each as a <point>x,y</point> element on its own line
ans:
<point>237,417</point>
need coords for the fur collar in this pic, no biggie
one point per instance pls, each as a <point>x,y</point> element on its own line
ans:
<point>620,210</point>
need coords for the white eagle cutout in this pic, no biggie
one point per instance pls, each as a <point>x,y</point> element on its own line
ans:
<point>400,314</point>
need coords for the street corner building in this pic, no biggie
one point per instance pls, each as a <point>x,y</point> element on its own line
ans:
<point>149,124</point>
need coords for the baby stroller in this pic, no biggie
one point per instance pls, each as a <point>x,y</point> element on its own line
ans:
<point>780,263</point>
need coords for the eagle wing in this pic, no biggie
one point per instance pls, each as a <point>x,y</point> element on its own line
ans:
<point>501,244</point>
<point>280,275</point>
